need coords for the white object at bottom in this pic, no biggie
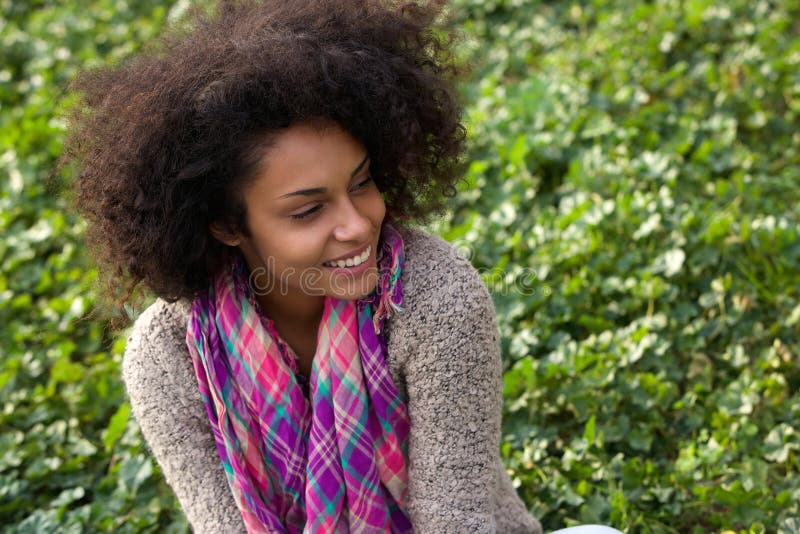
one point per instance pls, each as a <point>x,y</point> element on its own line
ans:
<point>587,529</point>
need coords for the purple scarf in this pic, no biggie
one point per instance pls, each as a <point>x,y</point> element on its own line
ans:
<point>336,463</point>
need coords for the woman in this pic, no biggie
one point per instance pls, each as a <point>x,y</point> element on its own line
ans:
<point>313,363</point>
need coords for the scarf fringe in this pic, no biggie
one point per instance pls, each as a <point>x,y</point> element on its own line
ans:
<point>387,285</point>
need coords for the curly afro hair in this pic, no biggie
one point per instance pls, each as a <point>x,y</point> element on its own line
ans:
<point>165,142</point>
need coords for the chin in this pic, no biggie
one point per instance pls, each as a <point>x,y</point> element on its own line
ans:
<point>346,288</point>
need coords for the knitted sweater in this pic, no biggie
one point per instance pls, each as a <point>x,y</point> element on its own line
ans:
<point>443,354</point>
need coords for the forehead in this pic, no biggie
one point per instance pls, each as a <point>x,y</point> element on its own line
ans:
<point>305,156</point>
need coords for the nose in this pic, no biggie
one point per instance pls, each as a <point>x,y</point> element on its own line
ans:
<point>352,225</point>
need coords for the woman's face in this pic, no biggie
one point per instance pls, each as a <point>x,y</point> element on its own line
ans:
<point>314,215</point>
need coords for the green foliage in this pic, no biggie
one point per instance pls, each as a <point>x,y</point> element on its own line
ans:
<point>632,198</point>
<point>70,459</point>
<point>641,163</point>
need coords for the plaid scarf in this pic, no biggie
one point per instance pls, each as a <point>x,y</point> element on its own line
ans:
<point>336,463</point>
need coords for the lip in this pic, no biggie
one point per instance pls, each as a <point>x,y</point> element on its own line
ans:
<point>353,254</point>
<point>358,270</point>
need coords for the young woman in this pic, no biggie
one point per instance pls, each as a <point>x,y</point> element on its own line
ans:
<point>313,363</point>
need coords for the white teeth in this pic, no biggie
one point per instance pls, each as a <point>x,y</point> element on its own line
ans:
<point>351,262</point>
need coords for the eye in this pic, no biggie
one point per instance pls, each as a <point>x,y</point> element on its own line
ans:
<point>306,213</point>
<point>362,184</point>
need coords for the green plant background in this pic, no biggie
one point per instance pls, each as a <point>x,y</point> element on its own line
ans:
<point>632,198</point>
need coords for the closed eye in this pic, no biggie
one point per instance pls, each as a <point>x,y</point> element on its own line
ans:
<point>306,213</point>
<point>362,184</point>
<point>358,187</point>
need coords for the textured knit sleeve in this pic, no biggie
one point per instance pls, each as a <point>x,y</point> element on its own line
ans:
<point>453,379</point>
<point>163,393</point>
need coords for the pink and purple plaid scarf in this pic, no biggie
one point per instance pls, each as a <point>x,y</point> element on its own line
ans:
<point>336,463</point>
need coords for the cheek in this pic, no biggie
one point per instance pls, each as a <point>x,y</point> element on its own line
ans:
<point>287,249</point>
<point>305,249</point>
<point>377,208</point>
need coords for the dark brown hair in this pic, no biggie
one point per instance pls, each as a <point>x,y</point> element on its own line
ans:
<point>165,141</point>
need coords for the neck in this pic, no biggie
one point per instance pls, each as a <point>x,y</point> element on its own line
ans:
<point>295,311</point>
<point>297,321</point>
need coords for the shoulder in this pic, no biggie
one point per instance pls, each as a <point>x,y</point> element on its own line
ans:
<point>447,309</point>
<point>439,280</point>
<point>161,319</point>
<point>435,268</point>
<point>157,343</point>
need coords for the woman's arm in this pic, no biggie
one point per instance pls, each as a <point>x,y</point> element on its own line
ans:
<point>453,376</point>
<point>166,402</point>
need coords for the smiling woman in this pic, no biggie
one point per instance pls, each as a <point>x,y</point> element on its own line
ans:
<point>314,235</point>
<point>313,363</point>
<point>330,211</point>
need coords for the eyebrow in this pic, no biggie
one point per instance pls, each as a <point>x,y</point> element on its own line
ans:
<point>319,190</point>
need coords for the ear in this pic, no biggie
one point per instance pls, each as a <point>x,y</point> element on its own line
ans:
<point>224,234</point>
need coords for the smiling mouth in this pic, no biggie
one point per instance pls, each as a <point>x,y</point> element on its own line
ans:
<point>351,262</point>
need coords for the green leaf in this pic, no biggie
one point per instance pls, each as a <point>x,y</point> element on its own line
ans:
<point>779,442</point>
<point>116,426</point>
<point>589,431</point>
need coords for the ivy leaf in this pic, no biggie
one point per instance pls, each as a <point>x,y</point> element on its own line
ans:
<point>116,426</point>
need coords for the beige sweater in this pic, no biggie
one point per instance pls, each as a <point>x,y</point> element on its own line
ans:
<point>444,355</point>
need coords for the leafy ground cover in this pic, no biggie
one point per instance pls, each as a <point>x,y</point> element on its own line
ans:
<point>70,458</point>
<point>632,199</point>
<point>634,171</point>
